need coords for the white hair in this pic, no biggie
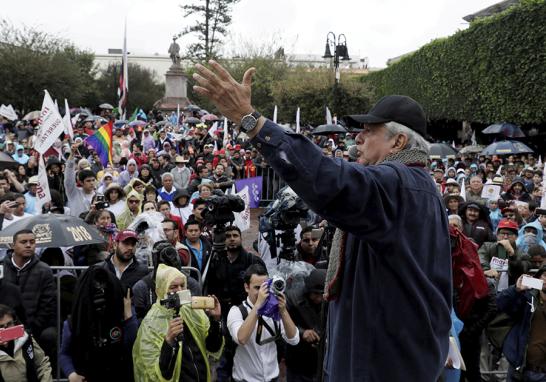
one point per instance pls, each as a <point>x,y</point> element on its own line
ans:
<point>415,140</point>
<point>456,218</point>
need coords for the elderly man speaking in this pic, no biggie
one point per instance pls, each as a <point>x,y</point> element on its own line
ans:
<point>390,279</point>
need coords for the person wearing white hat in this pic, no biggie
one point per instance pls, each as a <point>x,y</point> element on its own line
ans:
<point>30,195</point>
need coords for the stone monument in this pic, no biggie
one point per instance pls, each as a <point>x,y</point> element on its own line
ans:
<point>176,83</point>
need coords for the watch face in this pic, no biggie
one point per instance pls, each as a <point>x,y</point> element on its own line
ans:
<point>248,122</point>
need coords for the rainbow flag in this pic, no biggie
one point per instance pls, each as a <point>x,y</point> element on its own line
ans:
<point>101,141</point>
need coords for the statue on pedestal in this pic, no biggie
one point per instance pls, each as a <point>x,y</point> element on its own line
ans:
<point>174,52</point>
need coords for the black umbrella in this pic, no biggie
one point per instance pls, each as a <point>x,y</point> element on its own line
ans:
<point>53,230</point>
<point>507,129</point>
<point>506,148</point>
<point>6,161</point>
<point>329,129</point>
<point>441,150</point>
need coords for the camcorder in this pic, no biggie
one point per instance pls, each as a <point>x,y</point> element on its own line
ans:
<point>175,300</point>
<point>285,213</point>
<point>219,209</point>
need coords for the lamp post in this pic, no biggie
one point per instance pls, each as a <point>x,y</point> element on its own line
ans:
<point>340,51</point>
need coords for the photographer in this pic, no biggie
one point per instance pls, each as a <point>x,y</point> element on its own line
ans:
<point>159,353</point>
<point>243,330</point>
<point>21,359</point>
<point>225,280</point>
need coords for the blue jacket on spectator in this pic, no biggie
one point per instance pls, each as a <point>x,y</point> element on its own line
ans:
<point>517,305</point>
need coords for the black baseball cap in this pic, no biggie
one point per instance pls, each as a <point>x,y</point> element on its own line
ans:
<point>392,108</point>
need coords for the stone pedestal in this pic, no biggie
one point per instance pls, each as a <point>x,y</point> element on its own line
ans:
<point>176,90</point>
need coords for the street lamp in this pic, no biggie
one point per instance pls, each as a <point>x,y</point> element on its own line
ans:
<point>340,50</point>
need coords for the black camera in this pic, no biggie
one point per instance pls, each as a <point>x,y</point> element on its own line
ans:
<point>285,213</point>
<point>172,302</point>
<point>220,209</point>
<point>100,202</point>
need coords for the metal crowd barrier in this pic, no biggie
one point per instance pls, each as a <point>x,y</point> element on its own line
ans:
<point>55,270</point>
<point>271,184</point>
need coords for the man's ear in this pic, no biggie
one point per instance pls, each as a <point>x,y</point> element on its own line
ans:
<point>400,142</point>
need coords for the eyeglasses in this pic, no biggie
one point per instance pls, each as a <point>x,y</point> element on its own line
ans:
<point>505,233</point>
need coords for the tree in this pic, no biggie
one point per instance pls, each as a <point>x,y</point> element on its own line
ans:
<point>31,61</point>
<point>213,18</point>
<point>144,90</point>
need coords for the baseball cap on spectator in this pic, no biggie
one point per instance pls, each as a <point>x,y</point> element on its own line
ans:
<point>509,225</point>
<point>474,165</point>
<point>392,108</point>
<point>474,206</point>
<point>451,181</point>
<point>126,235</point>
<point>32,180</point>
<point>314,283</point>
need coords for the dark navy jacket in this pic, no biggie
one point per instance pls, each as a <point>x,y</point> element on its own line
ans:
<point>518,306</point>
<point>391,321</point>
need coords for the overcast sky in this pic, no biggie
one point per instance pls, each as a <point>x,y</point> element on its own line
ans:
<point>378,29</point>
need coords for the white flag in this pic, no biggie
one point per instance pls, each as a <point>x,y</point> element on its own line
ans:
<point>8,112</point>
<point>242,219</point>
<point>463,190</point>
<point>275,114</point>
<point>51,125</point>
<point>67,121</point>
<point>213,129</point>
<point>42,190</point>
<point>225,141</point>
<point>328,116</point>
<point>539,163</point>
<point>298,121</point>
<point>473,139</point>
<point>543,200</point>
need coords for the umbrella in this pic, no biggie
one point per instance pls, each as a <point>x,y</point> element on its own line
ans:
<point>506,148</point>
<point>329,129</point>
<point>120,123</point>
<point>474,149</point>
<point>80,110</point>
<point>53,230</point>
<point>6,161</point>
<point>138,122</point>
<point>209,118</point>
<point>441,150</point>
<point>507,129</point>
<point>93,118</point>
<point>192,108</point>
<point>106,106</point>
<point>32,115</point>
<point>162,123</point>
<point>192,120</point>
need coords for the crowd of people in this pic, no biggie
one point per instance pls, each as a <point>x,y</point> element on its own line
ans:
<point>116,323</point>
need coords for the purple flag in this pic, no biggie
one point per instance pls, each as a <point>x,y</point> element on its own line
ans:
<point>254,189</point>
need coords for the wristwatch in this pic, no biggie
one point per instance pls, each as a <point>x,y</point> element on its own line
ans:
<point>250,121</point>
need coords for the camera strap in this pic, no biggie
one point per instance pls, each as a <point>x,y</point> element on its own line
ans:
<point>275,333</point>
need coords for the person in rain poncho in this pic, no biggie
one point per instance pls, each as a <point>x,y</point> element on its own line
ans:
<point>158,355</point>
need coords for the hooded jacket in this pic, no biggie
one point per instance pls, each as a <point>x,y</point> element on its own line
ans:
<point>523,196</point>
<point>125,176</point>
<point>127,217</point>
<point>524,242</point>
<point>152,331</point>
<point>37,287</point>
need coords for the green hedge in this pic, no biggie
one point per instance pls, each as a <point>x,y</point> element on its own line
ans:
<point>493,71</point>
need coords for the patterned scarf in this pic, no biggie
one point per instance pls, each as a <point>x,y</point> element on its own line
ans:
<point>411,158</point>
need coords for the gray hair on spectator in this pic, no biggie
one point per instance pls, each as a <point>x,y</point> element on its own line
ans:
<point>165,175</point>
<point>457,218</point>
<point>415,140</point>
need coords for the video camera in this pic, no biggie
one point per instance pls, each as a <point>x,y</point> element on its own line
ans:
<point>219,209</point>
<point>285,212</point>
<point>176,300</point>
<point>100,202</point>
